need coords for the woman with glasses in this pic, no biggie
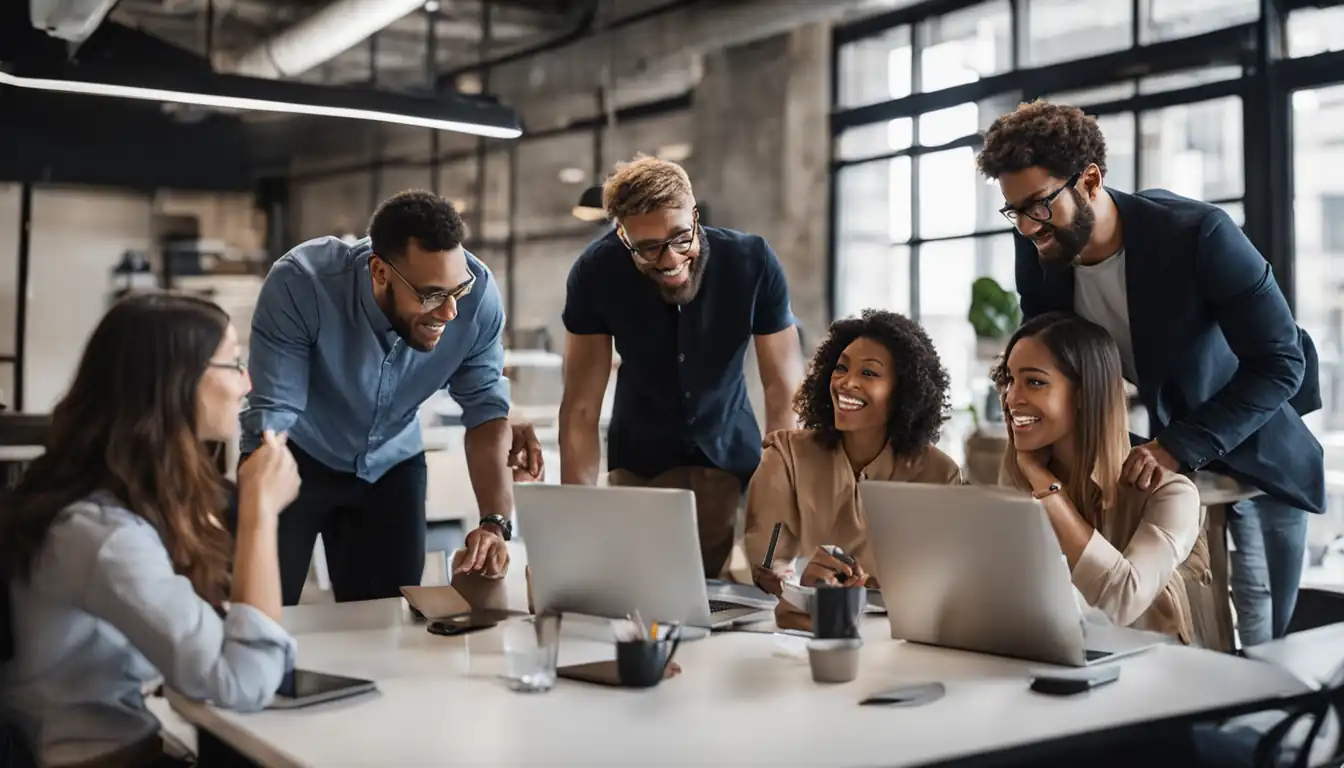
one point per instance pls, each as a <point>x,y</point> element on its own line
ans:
<point>121,571</point>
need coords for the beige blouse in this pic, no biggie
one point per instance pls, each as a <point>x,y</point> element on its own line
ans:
<point>812,490</point>
<point>1147,563</point>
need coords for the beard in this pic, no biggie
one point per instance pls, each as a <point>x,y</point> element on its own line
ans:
<point>686,292</point>
<point>400,325</point>
<point>1071,240</point>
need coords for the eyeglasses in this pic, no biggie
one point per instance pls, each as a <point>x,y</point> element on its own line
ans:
<point>234,365</point>
<point>1038,210</point>
<point>432,300</point>
<point>680,245</point>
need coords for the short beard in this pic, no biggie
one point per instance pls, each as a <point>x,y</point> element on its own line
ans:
<point>399,325</point>
<point>1073,239</point>
<point>685,294</point>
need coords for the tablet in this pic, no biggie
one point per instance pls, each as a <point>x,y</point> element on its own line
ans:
<point>302,688</point>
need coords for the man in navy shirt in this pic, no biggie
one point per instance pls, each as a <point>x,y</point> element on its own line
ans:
<point>680,301</point>
<point>348,340</point>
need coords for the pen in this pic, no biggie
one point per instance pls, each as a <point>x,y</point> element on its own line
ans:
<point>770,551</point>
<point>653,631</point>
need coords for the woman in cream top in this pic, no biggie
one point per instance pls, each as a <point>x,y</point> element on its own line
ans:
<point>871,406</point>
<point>1137,554</point>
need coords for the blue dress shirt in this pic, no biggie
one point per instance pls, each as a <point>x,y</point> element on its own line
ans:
<point>328,369</point>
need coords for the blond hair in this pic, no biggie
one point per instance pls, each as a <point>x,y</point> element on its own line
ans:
<point>644,185</point>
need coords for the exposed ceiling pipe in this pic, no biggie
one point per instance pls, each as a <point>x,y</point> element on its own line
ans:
<point>321,37</point>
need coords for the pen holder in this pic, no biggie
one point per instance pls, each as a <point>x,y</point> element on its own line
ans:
<point>836,612</point>
<point>643,663</point>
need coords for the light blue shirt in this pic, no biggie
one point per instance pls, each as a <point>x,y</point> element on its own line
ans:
<point>102,617</point>
<point>328,369</point>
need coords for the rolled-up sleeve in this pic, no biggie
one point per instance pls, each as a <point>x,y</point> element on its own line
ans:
<point>771,498</point>
<point>284,329</point>
<point>1124,584</point>
<point>478,384</point>
<point>236,661</point>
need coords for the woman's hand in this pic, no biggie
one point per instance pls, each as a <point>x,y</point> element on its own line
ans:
<point>829,570</point>
<point>770,582</point>
<point>269,479</point>
<point>1035,467</point>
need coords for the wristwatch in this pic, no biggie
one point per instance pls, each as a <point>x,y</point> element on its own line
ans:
<point>503,523</point>
<point>1050,490</point>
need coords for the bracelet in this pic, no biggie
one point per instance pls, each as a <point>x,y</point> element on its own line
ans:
<point>1050,490</point>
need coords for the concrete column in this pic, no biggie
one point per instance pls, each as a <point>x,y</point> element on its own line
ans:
<point>762,150</point>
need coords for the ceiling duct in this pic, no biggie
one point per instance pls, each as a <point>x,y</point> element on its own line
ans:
<point>322,37</point>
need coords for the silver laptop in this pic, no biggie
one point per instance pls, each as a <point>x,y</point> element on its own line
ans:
<point>980,569</point>
<point>605,551</point>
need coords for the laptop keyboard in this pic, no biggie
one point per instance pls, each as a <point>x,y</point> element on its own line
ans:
<point>718,606</point>
<point>1091,655</point>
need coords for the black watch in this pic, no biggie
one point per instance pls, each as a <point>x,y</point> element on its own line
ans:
<point>505,525</point>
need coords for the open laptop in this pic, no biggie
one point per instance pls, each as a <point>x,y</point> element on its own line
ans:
<point>606,551</point>
<point>980,569</point>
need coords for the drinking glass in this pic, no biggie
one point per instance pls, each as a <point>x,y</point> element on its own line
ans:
<point>531,648</point>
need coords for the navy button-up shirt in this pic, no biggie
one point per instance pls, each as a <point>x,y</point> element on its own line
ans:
<point>328,368</point>
<point>681,394</point>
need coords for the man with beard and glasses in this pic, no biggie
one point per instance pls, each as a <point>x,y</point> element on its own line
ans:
<point>1204,334</point>
<point>348,340</point>
<point>680,301</point>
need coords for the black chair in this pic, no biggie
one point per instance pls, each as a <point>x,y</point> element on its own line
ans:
<point>14,752</point>
<point>1316,608</point>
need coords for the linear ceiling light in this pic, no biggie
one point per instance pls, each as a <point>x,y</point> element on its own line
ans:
<point>502,124</point>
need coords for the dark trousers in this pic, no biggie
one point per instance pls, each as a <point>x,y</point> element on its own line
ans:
<point>373,533</point>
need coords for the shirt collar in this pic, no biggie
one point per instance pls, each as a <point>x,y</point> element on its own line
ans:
<point>359,252</point>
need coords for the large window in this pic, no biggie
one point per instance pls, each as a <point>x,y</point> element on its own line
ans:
<point>1318,193</point>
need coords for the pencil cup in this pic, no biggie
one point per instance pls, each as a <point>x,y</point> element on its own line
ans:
<point>836,611</point>
<point>643,663</point>
<point>834,660</point>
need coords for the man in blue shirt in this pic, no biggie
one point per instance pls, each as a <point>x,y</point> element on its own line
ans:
<point>348,340</point>
<point>680,301</point>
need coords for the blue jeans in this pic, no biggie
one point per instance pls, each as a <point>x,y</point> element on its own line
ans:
<point>1270,537</point>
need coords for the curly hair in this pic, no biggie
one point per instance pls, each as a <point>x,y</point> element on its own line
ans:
<point>1058,138</point>
<point>919,392</point>
<point>644,185</point>
<point>416,214</point>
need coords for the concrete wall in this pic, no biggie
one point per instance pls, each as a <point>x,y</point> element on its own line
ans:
<point>78,235</point>
<point>759,140</point>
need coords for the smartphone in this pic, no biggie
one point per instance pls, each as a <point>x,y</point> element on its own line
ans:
<point>1069,682</point>
<point>302,688</point>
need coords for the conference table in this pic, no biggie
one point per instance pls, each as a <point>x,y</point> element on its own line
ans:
<point>742,697</point>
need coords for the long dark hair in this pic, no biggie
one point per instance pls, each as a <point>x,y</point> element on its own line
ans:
<point>1088,357</point>
<point>127,426</point>
<point>919,402</point>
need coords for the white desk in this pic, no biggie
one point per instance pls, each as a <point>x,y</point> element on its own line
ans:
<point>741,696</point>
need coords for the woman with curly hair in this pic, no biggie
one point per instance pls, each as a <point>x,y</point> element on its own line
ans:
<point>871,407</point>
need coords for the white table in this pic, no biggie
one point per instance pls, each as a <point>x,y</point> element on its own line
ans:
<point>741,697</point>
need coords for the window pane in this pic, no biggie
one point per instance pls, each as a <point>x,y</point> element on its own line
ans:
<point>1099,95</point>
<point>1237,210</point>
<point>966,45</point>
<point>1174,19</point>
<point>1318,268</point>
<point>1063,30</point>
<point>946,271</point>
<point>1315,30</point>
<point>1119,133</point>
<point>875,69</point>
<point>869,276</point>
<point>1189,78</point>
<point>875,139</point>
<point>1194,149</point>
<point>947,181</point>
<point>944,125</point>
<point>873,210</point>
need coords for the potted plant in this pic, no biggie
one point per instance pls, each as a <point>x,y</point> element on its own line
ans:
<point>994,315</point>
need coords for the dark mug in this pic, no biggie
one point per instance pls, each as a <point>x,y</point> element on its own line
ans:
<point>643,663</point>
<point>836,612</point>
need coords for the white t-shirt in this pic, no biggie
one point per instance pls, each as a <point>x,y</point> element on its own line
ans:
<point>1101,295</point>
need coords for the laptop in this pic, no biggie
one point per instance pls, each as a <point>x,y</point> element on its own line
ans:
<point>607,552</point>
<point>980,569</point>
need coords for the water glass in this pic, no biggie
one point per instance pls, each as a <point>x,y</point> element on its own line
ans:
<point>531,649</point>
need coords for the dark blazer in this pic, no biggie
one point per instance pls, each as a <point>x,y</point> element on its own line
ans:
<point>1223,369</point>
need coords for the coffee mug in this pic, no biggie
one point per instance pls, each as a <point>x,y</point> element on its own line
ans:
<point>836,612</point>
<point>643,663</point>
